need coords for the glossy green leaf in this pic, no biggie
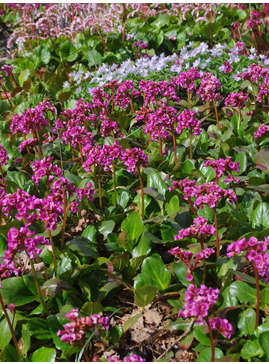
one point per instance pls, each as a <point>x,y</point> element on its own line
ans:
<point>199,334</point>
<point>5,336</point>
<point>83,247</point>
<point>143,247</point>
<point>179,324</point>
<point>154,268</point>
<point>260,216</point>
<point>173,205</point>
<point>106,227</point>
<point>155,180</point>
<point>11,354</point>
<point>133,224</point>
<point>14,290</point>
<point>144,295</point>
<point>264,342</point>
<point>246,323</point>
<point>262,160</point>
<point>44,355</point>
<point>205,355</point>
<point>90,308</point>
<point>251,349</point>
<point>25,341</point>
<point>180,271</point>
<point>55,324</point>
<point>243,291</point>
<point>242,159</point>
<point>38,328</point>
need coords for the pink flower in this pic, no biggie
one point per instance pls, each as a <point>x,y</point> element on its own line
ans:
<point>198,301</point>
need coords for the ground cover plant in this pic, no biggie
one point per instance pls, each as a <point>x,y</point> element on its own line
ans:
<point>134,212</point>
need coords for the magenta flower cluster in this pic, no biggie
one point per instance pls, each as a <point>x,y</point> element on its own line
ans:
<point>134,158</point>
<point>222,326</point>
<point>199,227</point>
<point>44,167</point>
<point>8,70</point>
<point>187,120</point>
<point>223,165</point>
<point>3,156</point>
<point>28,122</point>
<point>209,88</point>
<point>75,331</point>
<point>187,79</point>
<point>185,256</point>
<point>198,302</point>
<point>211,194</point>
<point>262,130</point>
<point>126,359</point>
<point>237,99</point>
<point>27,143</point>
<point>255,251</point>
<point>206,194</point>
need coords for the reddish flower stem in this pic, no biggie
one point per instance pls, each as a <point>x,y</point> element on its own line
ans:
<point>217,235</point>
<point>10,326</point>
<point>258,295</point>
<point>142,191</point>
<point>211,340</point>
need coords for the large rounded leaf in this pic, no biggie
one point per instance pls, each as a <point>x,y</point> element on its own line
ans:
<point>260,216</point>
<point>15,291</point>
<point>133,224</point>
<point>243,291</point>
<point>154,268</point>
<point>205,355</point>
<point>83,247</point>
<point>44,355</point>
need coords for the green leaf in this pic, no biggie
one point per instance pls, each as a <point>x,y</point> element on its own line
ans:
<point>89,232</point>
<point>260,216</point>
<point>172,206</point>
<point>133,224</point>
<point>91,307</point>
<point>11,354</point>
<point>143,247</point>
<point>94,58</point>
<point>5,336</point>
<point>14,290</point>
<point>154,268</point>
<point>262,160</point>
<point>180,271</point>
<point>68,51</point>
<point>188,166</point>
<point>264,342</point>
<point>205,355</point>
<point>161,21</point>
<point>38,328</point>
<point>242,159</point>
<point>144,295</point>
<point>243,291</point>
<point>17,177</point>
<point>55,324</point>
<point>43,54</point>
<point>83,247</point>
<point>44,355</point>
<point>179,324</point>
<point>24,76</point>
<point>246,323</point>
<point>250,349</point>
<point>201,336</point>
<point>106,227</point>
<point>155,180</point>
<point>132,320</point>
<point>25,341</point>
